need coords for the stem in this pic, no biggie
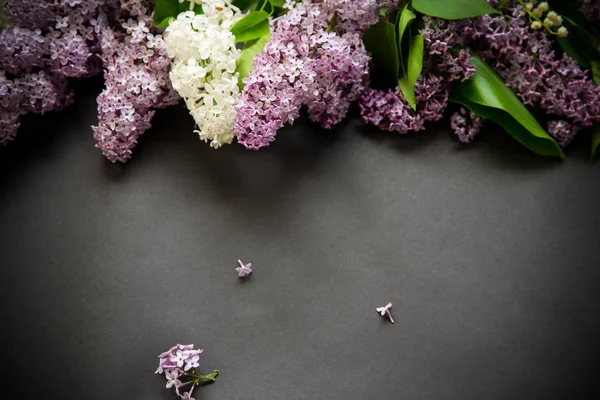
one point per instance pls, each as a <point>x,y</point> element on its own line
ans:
<point>208,378</point>
<point>202,378</point>
<point>331,24</point>
<point>389,314</point>
<point>534,18</point>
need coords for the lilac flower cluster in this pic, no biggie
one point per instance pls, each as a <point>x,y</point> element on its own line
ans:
<point>180,362</point>
<point>389,110</point>
<point>136,74</point>
<point>465,125</point>
<point>55,40</point>
<point>357,15</point>
<point>303,64</point>
<point>46,42</point>
<point>526,61</point>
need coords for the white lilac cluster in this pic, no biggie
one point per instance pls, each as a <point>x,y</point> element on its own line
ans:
<point>204,56</point>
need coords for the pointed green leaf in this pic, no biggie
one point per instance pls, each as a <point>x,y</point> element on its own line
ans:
<point>403,19</point>
<point>415,66</point>
<point>595,143</point>
<point>454,9</point>
<point>253,26</point>
<point>249,51</point>
<point>487,96</point>
<point>406,16</point>
<point>380,41</point>
<point>277,3</point>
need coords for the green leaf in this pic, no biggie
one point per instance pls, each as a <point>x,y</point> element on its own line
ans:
<point>403,20</point>
<point>595,143</point>
<point>277,3</point>
<point>595,68</point>
<point>454,9</point>
<point>249,51</point>
<point>487,96</point>
<point>164,11</point>
<point>253,26</point>
<point>245,5</point>
<point>415,66</point>
<point>406,16</point>
<point>380,41</point>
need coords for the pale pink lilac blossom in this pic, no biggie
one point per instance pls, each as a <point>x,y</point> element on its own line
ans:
<point>180,362</point>
<point>385,311</point>
<point>46,43</point>
<point>244,269</point>
<point>136,74</point>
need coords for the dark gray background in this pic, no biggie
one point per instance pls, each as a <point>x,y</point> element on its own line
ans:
<point>489,254</point>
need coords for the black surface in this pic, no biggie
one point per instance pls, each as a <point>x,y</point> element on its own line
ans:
<point>489,254</point>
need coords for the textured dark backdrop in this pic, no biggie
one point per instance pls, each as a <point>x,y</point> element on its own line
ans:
<point>489,254</point>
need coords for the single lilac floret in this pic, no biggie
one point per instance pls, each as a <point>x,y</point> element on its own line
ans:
<point>244,269</point>
<point>385,311</point>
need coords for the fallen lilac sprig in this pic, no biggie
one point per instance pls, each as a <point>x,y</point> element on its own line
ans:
<point>181,361</point>
<point>244,269</point>
<point>385,311</point>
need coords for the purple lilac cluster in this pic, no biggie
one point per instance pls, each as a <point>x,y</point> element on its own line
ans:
<point>178,362</point>
<point>46,43</point>
<point>389,110</point>
<point>465,125</point>
<point>357,15</point>
<point>304,64</point>
<point>526,61</point>
<point>136,74</point>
